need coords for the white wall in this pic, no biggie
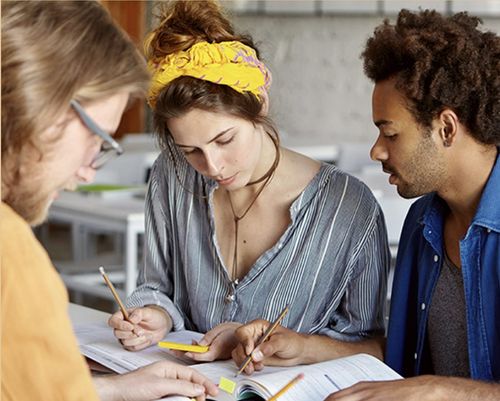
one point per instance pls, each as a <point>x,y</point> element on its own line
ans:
<point>319,93</point>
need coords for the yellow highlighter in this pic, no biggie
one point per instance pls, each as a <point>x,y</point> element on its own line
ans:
<point>183,347</point>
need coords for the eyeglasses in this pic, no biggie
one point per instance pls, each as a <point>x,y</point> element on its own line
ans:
<point>109,148</point>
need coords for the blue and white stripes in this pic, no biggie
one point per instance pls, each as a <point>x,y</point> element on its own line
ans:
<point>330,264</point>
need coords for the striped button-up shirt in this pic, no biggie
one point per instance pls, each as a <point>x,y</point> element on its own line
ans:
<point>330,265</point>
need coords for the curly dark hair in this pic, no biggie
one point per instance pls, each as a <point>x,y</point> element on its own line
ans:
<point>441,62</point>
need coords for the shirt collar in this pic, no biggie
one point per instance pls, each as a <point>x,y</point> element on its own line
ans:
<point>488,211</point>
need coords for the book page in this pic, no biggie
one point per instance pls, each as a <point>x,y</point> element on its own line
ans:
<point>320,379</point>
<point>98,343</point>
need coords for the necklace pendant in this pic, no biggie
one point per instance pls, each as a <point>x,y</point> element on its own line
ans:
<point>236,282</point>
<point>230,298</point>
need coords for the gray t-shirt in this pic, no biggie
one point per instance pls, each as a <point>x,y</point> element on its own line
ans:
<point>447,326</point>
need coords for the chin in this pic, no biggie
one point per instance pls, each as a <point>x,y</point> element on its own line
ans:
<point>40,216</point>
<point>408,192</point>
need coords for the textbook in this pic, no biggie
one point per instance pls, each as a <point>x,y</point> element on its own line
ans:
<point>98,343</point>
<point>321,379</point>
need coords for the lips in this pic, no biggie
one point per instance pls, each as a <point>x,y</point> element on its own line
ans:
<point>227,181</point>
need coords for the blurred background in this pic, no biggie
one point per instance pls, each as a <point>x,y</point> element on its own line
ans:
<point>320,100</point>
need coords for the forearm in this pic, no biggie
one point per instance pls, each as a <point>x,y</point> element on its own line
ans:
<point>318,348</point>
<point>458,389</point>
<point>107,388</point>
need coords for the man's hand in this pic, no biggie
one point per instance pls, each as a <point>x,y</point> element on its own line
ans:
<point>155,381</point>
<point>284,347</point>
<point>147,326</point>
<point>421,388</point>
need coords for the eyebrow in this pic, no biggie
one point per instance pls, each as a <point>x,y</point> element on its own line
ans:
<point>210,141</point>
<point>379,123</point>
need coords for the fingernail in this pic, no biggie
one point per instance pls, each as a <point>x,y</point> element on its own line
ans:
<point>189,354</point>
<point>199,389</point>
<point>257,356</point>
<point>203,342</point>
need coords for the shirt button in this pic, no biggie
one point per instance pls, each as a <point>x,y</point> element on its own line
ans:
<point>422,306</point>
<point>436,258</point>
<point>488,230</point>
<point>236,282</point>
<point>415,356</point>
<point>230,298</point>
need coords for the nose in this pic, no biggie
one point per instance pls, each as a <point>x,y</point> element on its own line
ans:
<point>378,151</point>
<point>86,174</point>
<point>212,164</point>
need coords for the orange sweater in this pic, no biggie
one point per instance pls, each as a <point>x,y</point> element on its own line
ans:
<point>40,355</point>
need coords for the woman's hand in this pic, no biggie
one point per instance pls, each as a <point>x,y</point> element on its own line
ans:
<point>221,340</point>
<point>146,326</point>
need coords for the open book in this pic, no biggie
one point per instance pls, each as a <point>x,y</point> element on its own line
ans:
<point>98,343</point>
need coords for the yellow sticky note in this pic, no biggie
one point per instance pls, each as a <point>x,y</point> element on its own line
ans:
<point>227,385</point>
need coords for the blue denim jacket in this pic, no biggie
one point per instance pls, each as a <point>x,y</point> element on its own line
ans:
<point>418,266</point>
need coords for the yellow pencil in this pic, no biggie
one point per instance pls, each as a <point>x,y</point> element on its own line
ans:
<point>287,387</point>
<point>115,294</point>
<point>264,337</point>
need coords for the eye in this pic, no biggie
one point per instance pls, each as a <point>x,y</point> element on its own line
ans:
<point>391,137</point>
<point>188,152</point>
<point>226,141</point>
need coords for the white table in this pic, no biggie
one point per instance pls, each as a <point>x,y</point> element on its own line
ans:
<point>118,214</point>
<point>79,314</point>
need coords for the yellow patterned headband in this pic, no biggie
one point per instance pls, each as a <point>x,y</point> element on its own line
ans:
<point>226,63</point>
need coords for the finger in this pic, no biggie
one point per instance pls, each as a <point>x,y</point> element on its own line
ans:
<point>191,375</point>
<point>276,345</point>
<point>211,335</point>
<point>116,321</point>
<point>177,353</point>
<point>249,334</point>
<point>181,387</point>
<point>238,355</point>
<point>208,356</point>
<point>137,343</point>
<point>138,315</point>
<point>249,368</point>
<point>258,366</point>
<point>123,335</point>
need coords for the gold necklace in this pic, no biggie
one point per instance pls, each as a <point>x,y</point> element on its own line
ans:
<point>266,178</point>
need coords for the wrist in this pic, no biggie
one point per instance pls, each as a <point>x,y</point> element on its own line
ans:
<point>107,388</point>
<point>164,314</point>
<point>306,344</point>
<point>318,348</point>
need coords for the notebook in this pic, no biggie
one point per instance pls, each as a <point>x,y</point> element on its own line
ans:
<point>321,379</point>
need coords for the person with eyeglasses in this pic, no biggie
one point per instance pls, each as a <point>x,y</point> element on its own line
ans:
<point>68,73</point>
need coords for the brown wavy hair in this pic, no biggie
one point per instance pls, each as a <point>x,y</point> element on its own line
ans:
<point>183,24</point>
<point>52,52</point>
<point>441,62</point>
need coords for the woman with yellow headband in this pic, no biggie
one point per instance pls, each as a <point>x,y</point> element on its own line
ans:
<point>238,227</point>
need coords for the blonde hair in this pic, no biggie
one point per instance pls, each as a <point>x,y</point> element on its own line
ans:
<point>52,52</point>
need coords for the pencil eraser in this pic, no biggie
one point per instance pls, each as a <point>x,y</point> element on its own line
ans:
<point>227,385</point>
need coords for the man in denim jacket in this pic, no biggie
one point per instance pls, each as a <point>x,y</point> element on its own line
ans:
<point>436,103</point>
